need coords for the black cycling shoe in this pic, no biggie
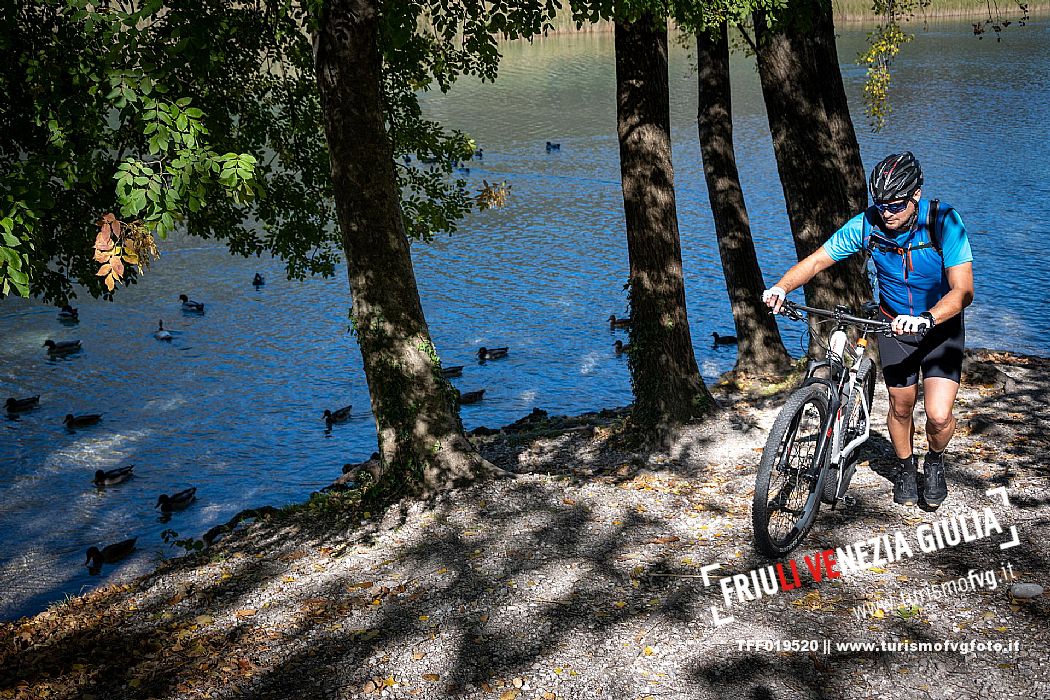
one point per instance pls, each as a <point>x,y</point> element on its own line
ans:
<point>905,488</point>
<point>934,487</point>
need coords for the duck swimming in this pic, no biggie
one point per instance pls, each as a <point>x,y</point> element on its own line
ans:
<point>453,371</point>
<point>492,353</point>
<point>162,334</point>
<point>14,405</point>
<point>553,147</point>
<point>724,339</point>
<point>620,348</point>
<point>190,305</point>
<point>259,280</point>
<point>109,554</point>
<point>68,314</point>
<point>82,420</point>
<point>339,416</point>
<point>471,396</point>
<point>178,501</point>
<point>619,322</point>
<point>112,477</point>
<point>62,347</point>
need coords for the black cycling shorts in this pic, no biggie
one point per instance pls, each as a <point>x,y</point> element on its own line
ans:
<point>937,354</point>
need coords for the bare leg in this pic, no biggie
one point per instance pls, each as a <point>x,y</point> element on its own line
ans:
<point>899,421</point>
<point>939,399</point>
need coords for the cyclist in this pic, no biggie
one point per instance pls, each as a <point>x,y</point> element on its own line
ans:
<point>924,269</point>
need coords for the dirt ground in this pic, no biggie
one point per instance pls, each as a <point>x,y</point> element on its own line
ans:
<point>590,574</point>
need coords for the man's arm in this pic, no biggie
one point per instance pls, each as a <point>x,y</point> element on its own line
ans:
<point>802,272</point>
<point>960,295</point>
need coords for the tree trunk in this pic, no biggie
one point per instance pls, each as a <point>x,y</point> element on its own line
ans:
<point>836,107</point>
<point>760,350</point>
<point>814,186</point>
<point>421,439</point>
<point>667,384</point>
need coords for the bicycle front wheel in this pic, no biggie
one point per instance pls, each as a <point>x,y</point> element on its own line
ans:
<point>787,495</point>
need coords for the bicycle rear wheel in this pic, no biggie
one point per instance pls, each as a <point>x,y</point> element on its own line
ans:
<point>787,487</point>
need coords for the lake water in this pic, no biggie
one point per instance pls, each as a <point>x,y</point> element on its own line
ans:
<point>233,405</point>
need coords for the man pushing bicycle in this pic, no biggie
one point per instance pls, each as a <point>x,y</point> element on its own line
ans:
<point>924,270</point>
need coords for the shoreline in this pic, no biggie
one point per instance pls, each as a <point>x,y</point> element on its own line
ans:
<point>854,19</point>
<point>586,561</point>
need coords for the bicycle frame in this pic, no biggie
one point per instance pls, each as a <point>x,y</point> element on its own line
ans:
<point>840,386</point>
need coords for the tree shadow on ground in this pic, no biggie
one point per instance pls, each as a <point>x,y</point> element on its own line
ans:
<point>507,579</point>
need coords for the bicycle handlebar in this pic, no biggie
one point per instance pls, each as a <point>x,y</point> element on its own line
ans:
<point>793,310</point>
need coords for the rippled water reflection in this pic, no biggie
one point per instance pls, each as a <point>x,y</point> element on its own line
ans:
<point>233,405</point>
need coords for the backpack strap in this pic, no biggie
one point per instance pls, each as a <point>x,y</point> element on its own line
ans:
<point>935,217</point>
<point>867,224</point>
<point>933,226</point>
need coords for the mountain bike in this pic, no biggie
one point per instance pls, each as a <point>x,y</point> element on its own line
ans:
<point>811,453</point>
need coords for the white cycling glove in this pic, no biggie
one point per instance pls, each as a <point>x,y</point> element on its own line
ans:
<point>910,324</point>
<point>774,298</point>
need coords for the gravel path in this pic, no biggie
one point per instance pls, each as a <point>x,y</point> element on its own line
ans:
<point>583,577</point>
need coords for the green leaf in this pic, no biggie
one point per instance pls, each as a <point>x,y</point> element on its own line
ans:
<point>18,277</point>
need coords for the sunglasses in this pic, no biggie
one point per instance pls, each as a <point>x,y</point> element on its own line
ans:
<point>892,207</point>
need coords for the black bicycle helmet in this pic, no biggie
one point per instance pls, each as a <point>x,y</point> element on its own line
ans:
<point>896,177</point>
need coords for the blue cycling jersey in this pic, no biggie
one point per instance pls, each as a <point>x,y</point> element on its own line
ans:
<point>909,268</point>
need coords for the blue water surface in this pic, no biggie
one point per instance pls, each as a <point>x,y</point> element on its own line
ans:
<point>233,405</point>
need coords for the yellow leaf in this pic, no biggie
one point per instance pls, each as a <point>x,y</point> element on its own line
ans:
<point>877,569</point>
<point>509,694</point>
<point>424,618</point>
<point>619,604</point>
<point>648,651</point>
<point>433,677</point>
<point>203,620</point>
<point>1000,629</point>
<point>879,613</point>
<point>389,682</point>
